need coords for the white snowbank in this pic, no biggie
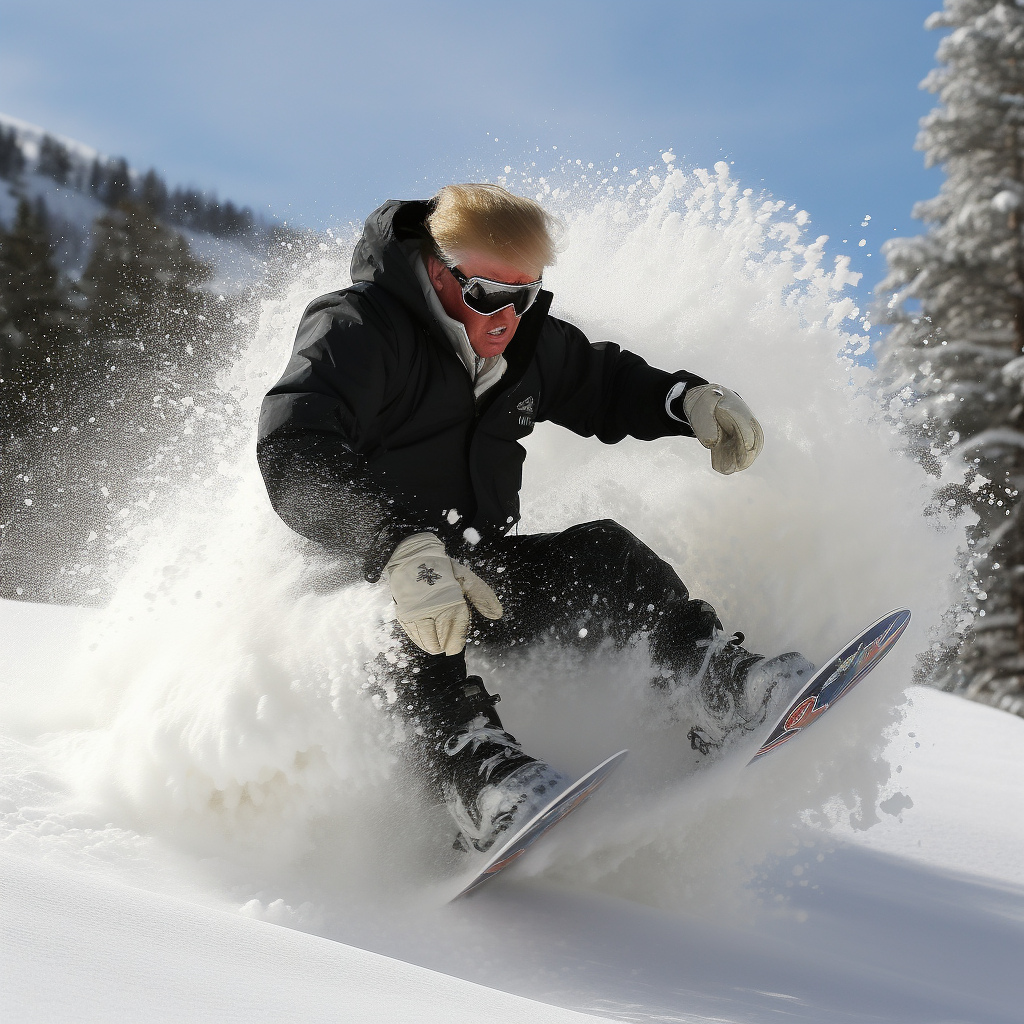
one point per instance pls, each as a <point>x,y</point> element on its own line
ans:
<point>957,789</point>
<point>74,948</point>
<point>918,918</point>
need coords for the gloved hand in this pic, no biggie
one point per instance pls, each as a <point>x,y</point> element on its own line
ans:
<point>431,592</point>
<point>723,422</point>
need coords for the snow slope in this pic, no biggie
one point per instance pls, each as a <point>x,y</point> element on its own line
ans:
<point>919,918</point>
<point>206,740</point>
<point>77,948</point>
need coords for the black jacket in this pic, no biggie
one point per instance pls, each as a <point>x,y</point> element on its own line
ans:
<point>373,432</point>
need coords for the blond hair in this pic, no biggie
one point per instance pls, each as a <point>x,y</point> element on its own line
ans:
<point>490,219</point>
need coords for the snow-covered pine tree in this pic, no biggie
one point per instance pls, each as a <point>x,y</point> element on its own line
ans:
<point>142,281</point>
<point>954,358</point>
<point>36,305</point>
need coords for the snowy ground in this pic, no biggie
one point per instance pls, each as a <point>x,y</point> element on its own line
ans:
<point>918,918</point>
<point>77,948</point>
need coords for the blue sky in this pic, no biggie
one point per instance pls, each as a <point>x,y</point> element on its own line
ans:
<point>319,111</point>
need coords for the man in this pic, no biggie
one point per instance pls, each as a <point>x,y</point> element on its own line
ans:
<point>393,437</point>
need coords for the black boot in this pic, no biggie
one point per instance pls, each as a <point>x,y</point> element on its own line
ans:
<point>741,690</point>
<point>722,676</point>
<point>487,781</point>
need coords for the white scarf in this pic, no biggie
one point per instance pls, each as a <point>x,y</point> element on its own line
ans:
<point>483,371</point>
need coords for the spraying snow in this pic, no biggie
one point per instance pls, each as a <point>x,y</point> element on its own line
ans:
<point>219,704</point>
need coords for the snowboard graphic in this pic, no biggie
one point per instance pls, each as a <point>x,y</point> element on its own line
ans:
<point>836,677</point>
<point>560,807</point>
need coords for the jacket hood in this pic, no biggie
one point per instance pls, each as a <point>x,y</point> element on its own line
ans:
<point>379,258</point>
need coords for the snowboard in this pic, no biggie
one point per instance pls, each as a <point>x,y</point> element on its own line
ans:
<point>563,805</point>
<point>837,677</point>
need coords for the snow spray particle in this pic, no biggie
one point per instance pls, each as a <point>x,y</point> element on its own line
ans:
<point>227,676</point>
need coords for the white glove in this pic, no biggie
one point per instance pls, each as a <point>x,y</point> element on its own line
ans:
<point>431,592</point>
<point>723,422</point>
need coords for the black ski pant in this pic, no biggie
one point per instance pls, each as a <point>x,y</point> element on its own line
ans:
<point>589,584</point>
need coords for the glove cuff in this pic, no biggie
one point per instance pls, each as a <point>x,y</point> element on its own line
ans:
<point>675,393</point>
<point>415,546</point>
<point>684,383</point>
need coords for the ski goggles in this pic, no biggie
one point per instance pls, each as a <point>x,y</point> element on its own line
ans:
<point>488,297</point>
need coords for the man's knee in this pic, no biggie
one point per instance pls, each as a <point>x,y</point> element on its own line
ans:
<point>627,561</point>
<point>677,642</point>
<point>603,537</point>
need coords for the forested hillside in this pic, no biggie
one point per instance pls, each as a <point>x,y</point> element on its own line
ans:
<point>112,328</point>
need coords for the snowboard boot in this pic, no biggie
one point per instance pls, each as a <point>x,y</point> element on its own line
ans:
<point>490,785</point>
<point>739,690</point>
<point>771,685</point>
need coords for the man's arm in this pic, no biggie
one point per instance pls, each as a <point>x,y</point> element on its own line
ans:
<point>322,491</point>
<point>604,391</point>
<point>319,425</point>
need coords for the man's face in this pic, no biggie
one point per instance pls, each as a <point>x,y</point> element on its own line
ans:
<point>487,334</point>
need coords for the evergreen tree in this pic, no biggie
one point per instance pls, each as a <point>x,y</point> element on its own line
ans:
<point>54,160</point>
<point>141,277</point>
<point>97,177</point>
<point>954,359</point>
<point>36,335</point>
<point>36,310</point>
<point>12,159</point>
<point>118,182</point>
<point>154,193</point>
<point>187,207</point>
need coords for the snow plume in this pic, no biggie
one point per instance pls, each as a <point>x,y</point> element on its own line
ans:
<point>223,696</point>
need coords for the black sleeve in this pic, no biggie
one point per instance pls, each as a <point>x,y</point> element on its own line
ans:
<point>321,489</point>
<point>320,423</point>
<point>604,391</point>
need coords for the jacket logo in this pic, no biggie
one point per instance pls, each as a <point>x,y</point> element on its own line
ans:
<point>526,412</point>
<point>427,575</point>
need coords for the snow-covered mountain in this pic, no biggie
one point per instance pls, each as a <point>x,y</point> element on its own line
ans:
<point>73,208</point>
<point>31,136</point>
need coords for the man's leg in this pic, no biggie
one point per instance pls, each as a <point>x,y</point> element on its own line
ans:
<point>597,582</point>
<point>422,691</point>
<point>582,586</point>
<point>455,742</point>
<point>590,583</point>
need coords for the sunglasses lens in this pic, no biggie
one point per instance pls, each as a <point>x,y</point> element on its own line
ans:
<point>477,298</point>
<point>528,296</point>
<point>488,297</point>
